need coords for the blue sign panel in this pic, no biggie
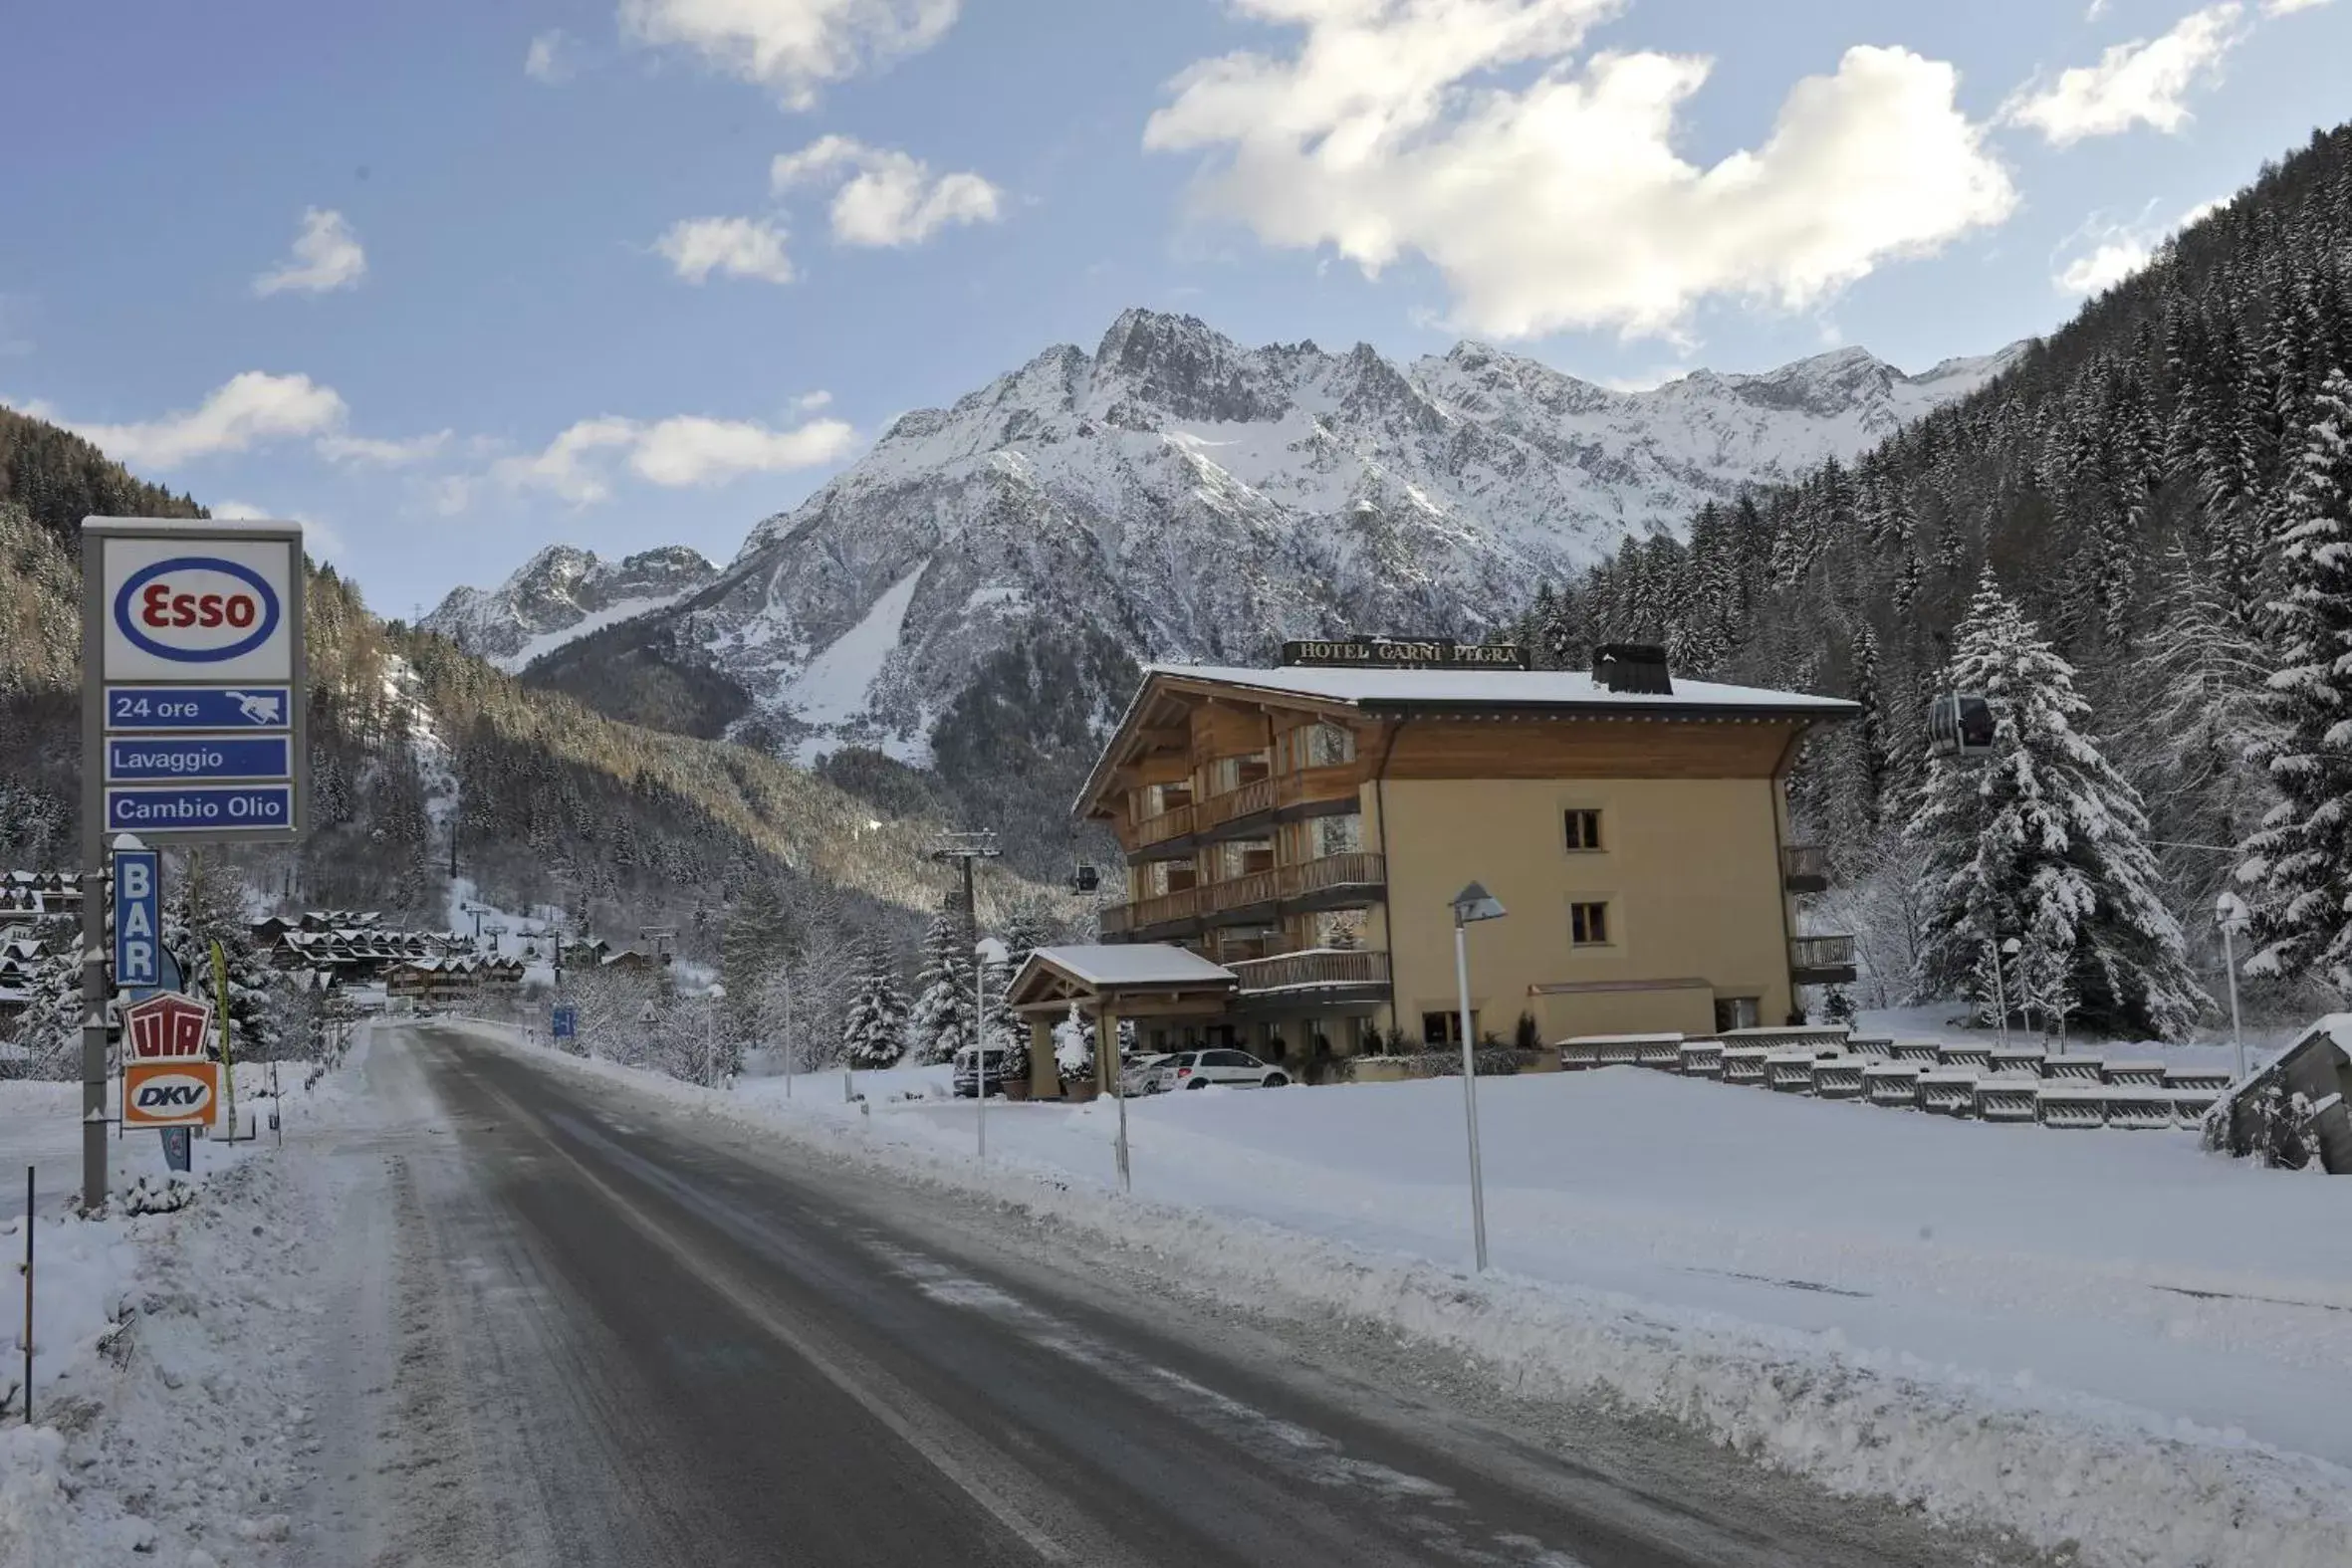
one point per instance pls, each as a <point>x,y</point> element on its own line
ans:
<point>138,919</point>
<point>565,1022</point>
<point>178,1147</point>
<point>233,756</point>
<point>199,707</point>
<point>198,809</point>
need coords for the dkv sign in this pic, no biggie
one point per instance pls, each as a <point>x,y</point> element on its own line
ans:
<point>171,1093</point>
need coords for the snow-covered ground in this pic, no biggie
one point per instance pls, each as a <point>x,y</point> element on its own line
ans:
<point>169,1396</point>
<point>2108,1337</point>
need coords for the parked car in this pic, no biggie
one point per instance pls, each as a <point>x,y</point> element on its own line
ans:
<point>998,1058</point>
<point>1197,1069</point>
<point>1141,1075</point>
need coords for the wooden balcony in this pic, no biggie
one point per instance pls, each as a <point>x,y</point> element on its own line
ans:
<point>1805,868</point>
<point>1254,799</point>
<point>1330,882</point>
<point>1821,961</point>
<point>1174,822</point>
<point>1315,969</point>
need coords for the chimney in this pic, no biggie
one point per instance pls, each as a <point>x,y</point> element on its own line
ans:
<point>1638,667</point>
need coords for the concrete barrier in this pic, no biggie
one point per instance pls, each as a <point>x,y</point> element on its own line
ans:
<point>1925,1052</point>
<point>2073,1105</point>
<point>1893,1084</point>
<point>1948,1091</point>
<point>1702,1058</point>
<point>1839,1077</point>
<point>2009,1098</point>
<point>1791,1071</point>
<point>1745,1063</point>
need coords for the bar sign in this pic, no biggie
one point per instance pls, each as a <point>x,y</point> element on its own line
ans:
<point>138,920</point>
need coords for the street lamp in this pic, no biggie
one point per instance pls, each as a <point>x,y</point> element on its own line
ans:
<point>1472,903</point>
<point>965,848</point>
<point>2229,915</point>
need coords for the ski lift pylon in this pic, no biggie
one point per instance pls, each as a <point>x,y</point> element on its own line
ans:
<point>1959,727</point>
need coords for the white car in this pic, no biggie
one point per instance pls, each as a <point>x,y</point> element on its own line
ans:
<point>1197,1069</point>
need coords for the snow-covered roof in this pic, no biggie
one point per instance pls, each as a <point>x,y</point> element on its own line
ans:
<point>1133,964</point>
<point>1395,690</point>
<point>1501,688</point>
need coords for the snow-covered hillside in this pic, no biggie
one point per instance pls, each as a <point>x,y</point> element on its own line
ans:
<point>1197,500</point>
<point>560,593</point>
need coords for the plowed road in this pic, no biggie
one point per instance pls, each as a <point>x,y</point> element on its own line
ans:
<point>593,1329</point>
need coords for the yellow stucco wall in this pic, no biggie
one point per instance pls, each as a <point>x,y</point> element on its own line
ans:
<point>1689,868</point>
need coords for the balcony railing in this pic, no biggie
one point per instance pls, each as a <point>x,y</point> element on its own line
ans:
<point>1821,961</point>
<point>1248,801</point>
<point>1805,868</point>
<point>1281,884</point>
<point>1354,869</point>
<point>1174,822</point>
<point>1315,966</point>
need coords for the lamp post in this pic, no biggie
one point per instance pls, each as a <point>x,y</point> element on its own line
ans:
<point>2228,912</point>
<point>1472,903</point>
<point>966,849</point>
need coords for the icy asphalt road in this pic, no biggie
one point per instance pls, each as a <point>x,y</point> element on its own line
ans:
<point>586,1329</point>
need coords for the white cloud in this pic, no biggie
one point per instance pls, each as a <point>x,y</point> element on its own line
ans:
<point>318,538</point>
<point>793,46</point>
<point>890,197</point>
<point>2290,7</point>
<point>2105,264</point>
<point>810,402</point>
<point>690,450</point>
<point>736,247</point>
<point>370,450</point>
<point>2098,9</point>
<point>548,58</point>
<point>1564,202</point>
<point>2143,82</point>
<point>677,452</point>
<point>327,256</point>
<point>249,408</point>
<point>2104,253</point>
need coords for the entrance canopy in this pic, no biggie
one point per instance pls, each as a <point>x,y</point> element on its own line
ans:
<point>1136,980</point>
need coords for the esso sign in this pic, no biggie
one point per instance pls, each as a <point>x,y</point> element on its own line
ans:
<point>198,609</point>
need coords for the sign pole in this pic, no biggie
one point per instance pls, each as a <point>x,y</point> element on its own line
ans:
<point>94,881</point>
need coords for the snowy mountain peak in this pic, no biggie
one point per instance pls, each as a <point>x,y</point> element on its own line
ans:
<point>564,592</point>
<point>1181,495</point>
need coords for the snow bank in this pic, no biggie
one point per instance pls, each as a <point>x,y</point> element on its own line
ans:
<point>167,1371</point>
<point>1344,1200</point>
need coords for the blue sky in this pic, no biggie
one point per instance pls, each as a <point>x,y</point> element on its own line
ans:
<point>453,282</point>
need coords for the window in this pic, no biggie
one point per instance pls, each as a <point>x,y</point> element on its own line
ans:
<point>1588,925</point>
<point>1736,1012</point>
<point>1329,745</point>
<point>1443,1029</point>
<point>1583,829</point>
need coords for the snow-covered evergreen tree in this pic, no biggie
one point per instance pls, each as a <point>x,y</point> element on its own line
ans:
<point>875,1027</point>
<point>1074,1046</point>
<point>751,960</point>
<point>942,1022</point>
<point>2298,867</point>
<point>2043,841</point>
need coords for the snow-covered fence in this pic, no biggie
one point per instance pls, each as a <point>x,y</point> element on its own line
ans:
<point>1948,1091</point>
<point>1745,1063</point>
<point>1893,1084</point>
<point>1923,1052</point>
<point>2008,1099</point>
<point>1789,1071</point>
<point>1700,1058</point>
<point>1964,1056</point>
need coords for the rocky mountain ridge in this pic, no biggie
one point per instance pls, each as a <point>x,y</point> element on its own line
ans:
<point>1187,498</point>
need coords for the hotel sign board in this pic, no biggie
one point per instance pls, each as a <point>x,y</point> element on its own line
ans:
<point>1398,653</point>
<point>193,663</point>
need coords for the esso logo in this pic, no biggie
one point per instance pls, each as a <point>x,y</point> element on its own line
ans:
<point>198,609</point>
<point>172,1094</point>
